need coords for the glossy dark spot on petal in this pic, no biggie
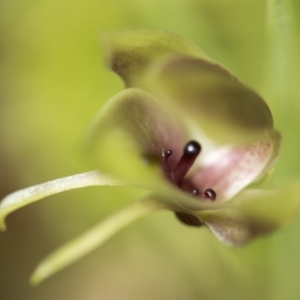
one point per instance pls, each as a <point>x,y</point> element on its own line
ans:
<point>166,154</point>
<point>192,148</point>
<point>210,195</point>
<point>195,192</point>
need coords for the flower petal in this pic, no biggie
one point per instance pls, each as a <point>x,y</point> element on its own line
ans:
<point>127,138</point>
<point>228,226</point>
<point>252,213</point>
<point>93,238</point>
<point>274,208</point>
<point>34,193</point>
<point>129,52</point>
<point>242,165</point>
<point>211,97</point>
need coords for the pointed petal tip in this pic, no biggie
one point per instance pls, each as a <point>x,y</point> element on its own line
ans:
<point>3,214</point>
<point>38,276</point>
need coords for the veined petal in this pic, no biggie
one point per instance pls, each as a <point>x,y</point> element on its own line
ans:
<point>37,192</point>
<point>252,213</point>
<point>229,169</point>
<point>213,99</point>
<point>93,238</point>
<point>129,52</point>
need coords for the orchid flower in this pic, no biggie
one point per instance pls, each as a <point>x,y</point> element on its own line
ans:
<point>186,131</point>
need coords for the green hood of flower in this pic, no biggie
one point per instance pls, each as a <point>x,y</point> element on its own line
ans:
<point>175,94</point>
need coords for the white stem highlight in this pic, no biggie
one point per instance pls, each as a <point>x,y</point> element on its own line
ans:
<point>34,193</point>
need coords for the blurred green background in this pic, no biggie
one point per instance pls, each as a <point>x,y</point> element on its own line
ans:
<point>53,81</point>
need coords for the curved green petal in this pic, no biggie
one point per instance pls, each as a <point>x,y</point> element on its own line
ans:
<point>128,52</point>
<point>211,97</point>
<point>93,238</point>
<point>37,192</point>
<point>252,213</point>
<point>274,208</point>
<point>127,138</point>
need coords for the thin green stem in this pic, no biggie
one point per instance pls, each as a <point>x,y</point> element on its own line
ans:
<point>280,54</point>
<point>93,238</point>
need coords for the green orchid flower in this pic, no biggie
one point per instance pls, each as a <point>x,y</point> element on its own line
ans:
<point>185,130</point>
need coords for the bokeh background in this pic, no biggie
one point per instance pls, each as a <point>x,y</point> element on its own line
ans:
<point>53,81</point>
